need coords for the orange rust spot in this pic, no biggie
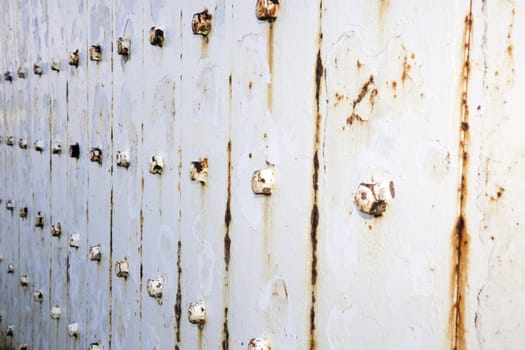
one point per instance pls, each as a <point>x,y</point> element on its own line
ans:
<point>352,118</point>
<point>509,50</point>
<point>394,84</point>
<point>413,56</point>
<point>359,64</point>
<point>250,85</point>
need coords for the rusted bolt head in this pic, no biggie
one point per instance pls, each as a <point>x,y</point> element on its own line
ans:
<point>263,181</point>
<point>74,58</point>
<point>39,220</point>
<point>123,46</point>
<point>74,240</point>
<point>37,69</point>
<point>56,148</point>
<point>267,9</point>
<point>38,296</point>
<point>201,23</point>
<point>73,329</point>
<point>23,346</point>
<point>10,268</point>
<point>22,212</point>
<point>95,53</point>
<point>95,253</point>
<point>94,346</point>
<point>56,230</point>
<point>56,312</point>
<point>95,155</point>
<point>8,76</point>
<point>122,159</point>
<point>55,64</point>
<point>39,145</point>
<point>10,204</point>
<point>74,150</point>
<point>10,140</point>
<point>157,164</point>
<point>154,288</point>
<point>24,280</point>
<point>259,344</point>
<point>122,268</point>
<point>9,330</point>
<point>373,198</point>
<point>156,36</point>
<point>22,143</point>
<point>197,313</point>
<point>199,171</point>
<point>21,72</point>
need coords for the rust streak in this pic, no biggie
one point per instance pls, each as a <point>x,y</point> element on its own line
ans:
<point>178,298</point>
<point>460,236</point>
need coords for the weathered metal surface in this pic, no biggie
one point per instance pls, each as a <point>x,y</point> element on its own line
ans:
<point>321,175</point>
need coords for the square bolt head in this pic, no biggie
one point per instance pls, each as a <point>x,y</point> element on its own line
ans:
<point>95,53</point>
<point>74,240</point>
<point>155,288</point>
<point>56,230</point>
<point>39,145</point>
<point>201,23</point>
<point>56,312</point>
<point>156,36</point>
<point>9,331</point>
<point>22,143</point>
<point>8,76</point>
<point>74,151</point>
<point>373,198</point>
<point>74,58</point>
<point>56,148</point>
<point>263,181</point>
<point>199,171</point>
<point>197,313</point>
<point>94,346</point>
<point>24,280</point>
<point>10,140</point>
<point>123,46</point>
<point>156,165</point>
<point>267,9</point>
<point>37,69</point>
<point>259,344</point>
<point>122,159</point>
<point>10,205</point>
<point>10,268</point>
<point>22,212</point>
<point>38,296</point>
<point>55,65</point>
<point>95,253</point>
<point>95,155</point>
<point>73,329</point>
<point>39,220</point>
<point>122,268</point>
<point>21,72</point>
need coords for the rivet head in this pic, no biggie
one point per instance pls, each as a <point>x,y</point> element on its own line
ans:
<point>39,220</point>
<point>23,346</point>
<point>259,344</point>
<point>74,58</point>
<point>9,331</point>
<point>21,72</point>
<point>56,148</point>
<point>56,230</point>
<point>123,47</point>
<point>122,159</point>
<point>74,240</point>
<point>74,151</point>
<point>263,181</point>
<point>156,165</point>
<point>95,53</point>
<point>94,346</point>
<point>267,9</point>
<point>22,212</point>
<point>373,198</point>
<point>10,140</point>
<point>10,268</point>
<point>56,312</point>
<point>55,65</point>
<point>95,253</point>
<point>24,280</point>
<point>22,143</point>
<point>8,76</point>
<point>38,296</point>
<point>156,36</point>
<point>197,313</point>
<point>10,204</point>
<point>199,171</point>
<point>73,329</point>
<point>95,155</point>
<point>154,287</point>
<point>37,69</point>
<point>39,145</point>
<point>201,23</point>
<point>122,268</point>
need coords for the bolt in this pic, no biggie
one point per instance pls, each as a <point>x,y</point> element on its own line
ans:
<point>55,65</point>
<point>39,220</point>
<point>56,312</point>
<point>10,140</point>
<point>37,69</point>
<point>199,171</point>
<point>94,346</point>
<point>74,151</point>
<point>56,148</point>
<point>23,346</point>
<point>38,296</point>
<point>267,9</point>
<point>259,344</point>
<point>122,268</point>
<point>21,72</point>
<point>197,313</point>
<point>8,76</point>
<point>263,181</point>
<point>73,329</point>
<point>39,145</point>
<point>201,23</point>
<point>373,198</point>
<point>95,253</point>
<point>155,288</point>
<point>10,205</point>
<point>123,46</point>
<point>9,331</point>
<point>24,280</point>
<point>156,36</point>
<point>122,159</point>
<point>74,240</point>
<point>56,230</point>
<point>156,166</point>
<point>22,143</point>
<point>74,58</point>
<point>22,212</point>
<point>95,53</point>
<point>10,268</point>
<point>95,155</point>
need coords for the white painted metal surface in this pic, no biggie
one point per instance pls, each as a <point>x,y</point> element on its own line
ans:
<point>347,175</point>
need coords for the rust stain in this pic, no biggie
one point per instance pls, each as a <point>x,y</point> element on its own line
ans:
<point>406,69</point>
<point>359,64</point>
<point>227,246</point>
<point>178,298</point>
<point>366,89</point>
<point>460,236</point>
<point>383,9</point>
<point>225,333</point>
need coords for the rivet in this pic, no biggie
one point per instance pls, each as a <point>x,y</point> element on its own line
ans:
<point>10,205</point>
<point>10,140</point>
<point>39,145</point>
<point>56,230</point>
<point>37,69</point>
<point>197,313</point>
<point>23,346</point>
<point>22,143</point>
<point>199,171</point>
<point>9,331</point>
<point>95,155</point>
<point>74,58</point>
<point>39,220</point>
<point>267,9</point>
<point>122,268</point>
<point>201,23</point>
<point>74,240</point>
<point>95,53</point>
<point>123,46</point>
<point>56,312</point>
<point>55,65</point>
<point>94,346</point>
<point>373,198</point>
<point>22,212</point>
<point>10,268</point>
<point>259,344</point>
<point>122,159</point>
<point>95,253</point>
<point>263,181</point>
<point>156,165</point>
<point>8,76</point>
<point>156,36</point>
<point>38,296</point>
<point>21,72</point>
<point>24,280</point>
<point>154,288</point>
<point>73,329</point>
<point>74,150</point>
<point>56,148</point>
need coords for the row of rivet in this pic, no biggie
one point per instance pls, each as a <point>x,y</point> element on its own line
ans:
<point>200,24</point>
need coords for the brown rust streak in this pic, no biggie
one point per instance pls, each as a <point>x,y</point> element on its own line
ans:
<point>178,298</point>
<point>460,236</point>
<point>227,246</point>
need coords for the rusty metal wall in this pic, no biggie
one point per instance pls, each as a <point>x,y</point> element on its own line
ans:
<point>326,174</point>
